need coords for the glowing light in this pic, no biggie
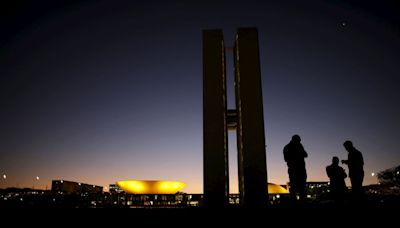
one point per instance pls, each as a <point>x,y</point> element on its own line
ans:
<point>276,189</point>
<point>373,174</point>
<point>150,186</point>
<point>4,176</point>
<point>37,177</point>
<point>398,172</point>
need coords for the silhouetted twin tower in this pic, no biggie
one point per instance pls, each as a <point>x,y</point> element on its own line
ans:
<point>247,120</point>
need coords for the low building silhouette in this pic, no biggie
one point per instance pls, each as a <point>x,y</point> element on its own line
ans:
<point>113,189</point>
<point>71,187</point>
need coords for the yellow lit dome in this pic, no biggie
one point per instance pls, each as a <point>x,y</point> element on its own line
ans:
<point>150,186</point>
<point>276,189</point>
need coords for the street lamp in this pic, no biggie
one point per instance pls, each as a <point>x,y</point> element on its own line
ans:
<point>4,176</point>
<point>37,179</point>
<point>375,175</point>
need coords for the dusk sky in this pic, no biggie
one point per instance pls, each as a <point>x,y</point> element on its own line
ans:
<point>101,91</point>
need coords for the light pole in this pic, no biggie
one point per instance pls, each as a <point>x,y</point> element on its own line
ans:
<point>375,175</point>
<point>37,179</point>
<point>4,177</point>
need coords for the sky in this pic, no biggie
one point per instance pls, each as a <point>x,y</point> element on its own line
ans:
<point>101,91</point>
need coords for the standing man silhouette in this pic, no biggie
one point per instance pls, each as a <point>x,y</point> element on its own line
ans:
<point>355,162</point>
<point>294,155</point>
<point>336,176</point>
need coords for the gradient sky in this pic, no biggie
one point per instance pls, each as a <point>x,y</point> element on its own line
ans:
<point>100,91</point>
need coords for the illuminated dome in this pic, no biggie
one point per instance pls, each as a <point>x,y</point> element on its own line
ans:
<point>150,186</point>
<point>276,189</point>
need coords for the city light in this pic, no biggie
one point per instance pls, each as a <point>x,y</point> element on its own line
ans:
<point>150,187</point>
<point>4,176</point>
<point>276,189</point>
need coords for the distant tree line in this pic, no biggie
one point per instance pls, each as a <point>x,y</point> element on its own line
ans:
<point>390,176</point>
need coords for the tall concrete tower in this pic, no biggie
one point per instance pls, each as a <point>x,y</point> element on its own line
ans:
<point>247,120</point>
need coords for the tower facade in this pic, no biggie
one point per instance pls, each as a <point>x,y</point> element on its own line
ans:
<point>247,120</point>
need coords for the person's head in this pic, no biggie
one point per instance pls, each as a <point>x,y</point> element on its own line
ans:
<point>348,145</point>
<point>335,160</point>
<point>296,138</point>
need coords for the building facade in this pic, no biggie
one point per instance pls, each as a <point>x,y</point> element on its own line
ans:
<point>71,187</point>
<point>247,120</point>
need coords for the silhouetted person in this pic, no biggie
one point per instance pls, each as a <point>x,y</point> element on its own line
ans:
<point>294,155</point>
<point>336,176</point>
<point>355,162</point>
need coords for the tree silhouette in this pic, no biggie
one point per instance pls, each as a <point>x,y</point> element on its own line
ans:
<point>390,176</point>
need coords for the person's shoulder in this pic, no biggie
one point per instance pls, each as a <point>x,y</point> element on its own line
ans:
<point>286,147</point>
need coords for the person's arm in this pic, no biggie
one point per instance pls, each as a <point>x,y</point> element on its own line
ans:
<point>327,172</point>
<point>304,152</point>
<point>285,154</point>
<point>344,174</point>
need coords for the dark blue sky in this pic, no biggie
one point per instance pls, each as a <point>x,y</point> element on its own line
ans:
<point>100,91</point>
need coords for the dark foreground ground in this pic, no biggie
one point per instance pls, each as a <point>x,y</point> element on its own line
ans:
<point>370,213</point>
